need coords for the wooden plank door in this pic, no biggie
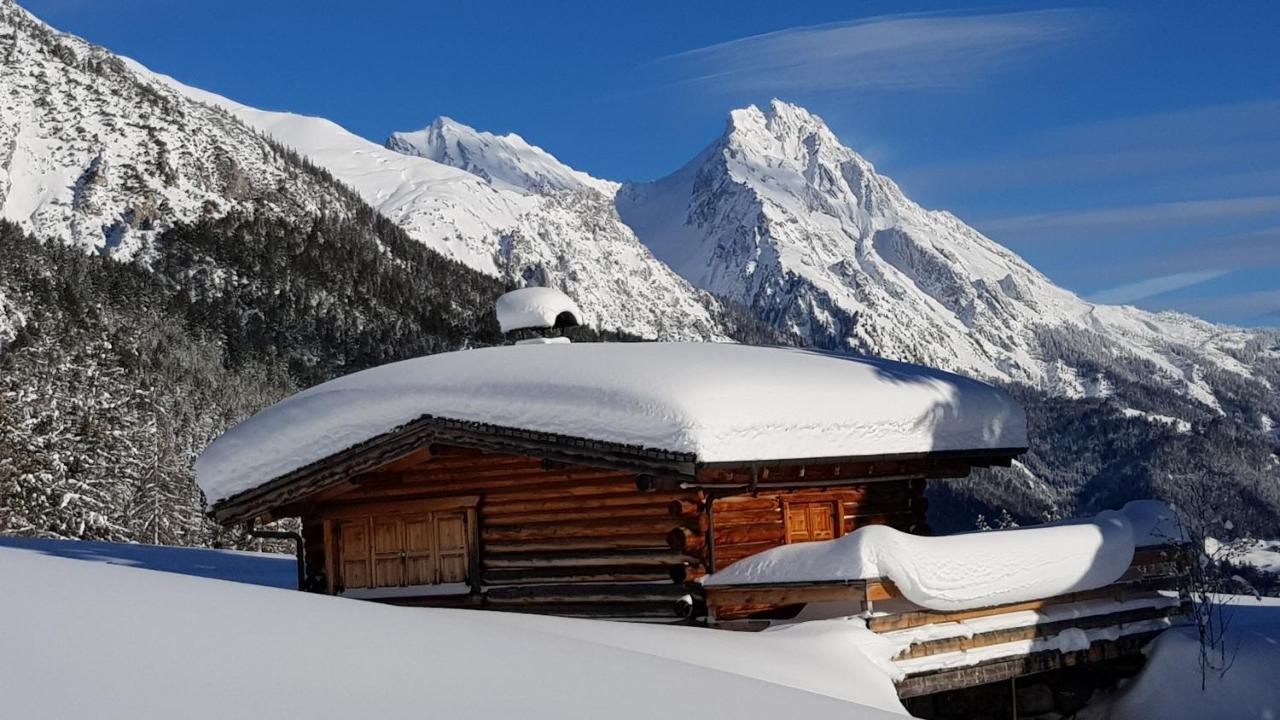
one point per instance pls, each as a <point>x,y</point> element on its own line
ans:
<point>388,551</point>
<point>420,566</point>
<point>353,537</point>
<point>451,546</point>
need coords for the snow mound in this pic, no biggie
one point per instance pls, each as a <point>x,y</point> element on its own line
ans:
<point>960,572</point>
<point>703,399</point>
<point>535,307</point>
<point>82,639</point>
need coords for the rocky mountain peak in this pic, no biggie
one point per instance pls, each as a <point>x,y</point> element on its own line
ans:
<point>506,161</point>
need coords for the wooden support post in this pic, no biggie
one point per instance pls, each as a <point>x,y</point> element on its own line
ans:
<point>473,559</point>
<point>711,534</point>
<point>330,557</point>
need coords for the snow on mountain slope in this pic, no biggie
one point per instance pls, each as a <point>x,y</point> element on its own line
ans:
<point>779,215</point>
<point>99,156</point>
<point>99,151</point>
<point>506,161</point>
<point>531,234</point>
<point>573,238</point>
<point>449,210</point>
<point>10,320</point>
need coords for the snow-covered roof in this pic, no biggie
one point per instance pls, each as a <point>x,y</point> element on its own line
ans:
<point>980,569</point>
<point>713,402</point>
<point>534,307</point>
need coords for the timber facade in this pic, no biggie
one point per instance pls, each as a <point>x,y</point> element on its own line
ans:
<point>480,517</point>
<point>456,526</point>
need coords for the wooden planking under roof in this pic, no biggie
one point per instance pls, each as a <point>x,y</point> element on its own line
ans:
<point>658,469</point>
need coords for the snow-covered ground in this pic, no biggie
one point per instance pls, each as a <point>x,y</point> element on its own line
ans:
<point>1169,687</point>
<point>87,639</point>
<point>1261,554</point>
<point>255,568</point>
<point>114,638</point>
<point>1178,424</point>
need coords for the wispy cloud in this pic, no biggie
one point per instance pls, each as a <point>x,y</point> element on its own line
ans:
<point>1146,216</point>
<point>1151,287</point>
<point>1253,249</point>
<point>1233,147</point>
<point>1222,122</point>
<point>888,52</point>
<point>1261,306</point>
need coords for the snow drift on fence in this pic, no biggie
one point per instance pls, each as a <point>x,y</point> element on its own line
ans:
<point>958,572</point>
<point>718,402</point>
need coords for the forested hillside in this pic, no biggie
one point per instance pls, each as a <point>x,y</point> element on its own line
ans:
<point>116,375</point>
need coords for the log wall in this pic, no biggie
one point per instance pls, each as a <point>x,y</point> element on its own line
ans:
<point>746,524</point>
<point>552,538</point>
<point>575,540</point>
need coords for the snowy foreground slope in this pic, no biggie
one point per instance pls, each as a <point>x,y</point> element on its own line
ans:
<point>81,639</point>
<point>102,639</point>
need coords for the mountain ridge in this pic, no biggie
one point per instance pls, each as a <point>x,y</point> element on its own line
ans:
<point>776,232</point>
<point>779,215</point>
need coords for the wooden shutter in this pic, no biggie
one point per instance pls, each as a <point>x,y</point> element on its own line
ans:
<point>388,551</point>
<point>451,544</point>
<point>419,550</point>
<point>809,521</point>
<point>797,523</point>
<point>353,536</point>
<point>822,521</point>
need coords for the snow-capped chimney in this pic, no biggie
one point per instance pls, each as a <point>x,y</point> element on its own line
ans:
<point>537,315</point>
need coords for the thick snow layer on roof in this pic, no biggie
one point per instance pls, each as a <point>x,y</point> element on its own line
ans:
<point>534,307</point>
<point>718,402</point>
<point>86,639</point>
<point>958,572</point>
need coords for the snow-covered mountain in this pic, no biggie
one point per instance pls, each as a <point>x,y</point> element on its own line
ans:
<point>98,155</point>
<point>501,216</point>
<point>506,161</point>
<point>99,151</point>
<point>778,215</point>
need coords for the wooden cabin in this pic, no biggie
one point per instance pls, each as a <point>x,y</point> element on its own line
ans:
<point>603,480</point>
<point>468,479</point>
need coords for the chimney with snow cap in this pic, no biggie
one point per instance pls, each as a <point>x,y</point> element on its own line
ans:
<point>536,315</point>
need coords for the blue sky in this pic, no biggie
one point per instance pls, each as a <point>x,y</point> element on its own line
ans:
<point>1130,151</point>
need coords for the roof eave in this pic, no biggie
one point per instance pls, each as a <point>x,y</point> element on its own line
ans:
<point>384,448</point>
